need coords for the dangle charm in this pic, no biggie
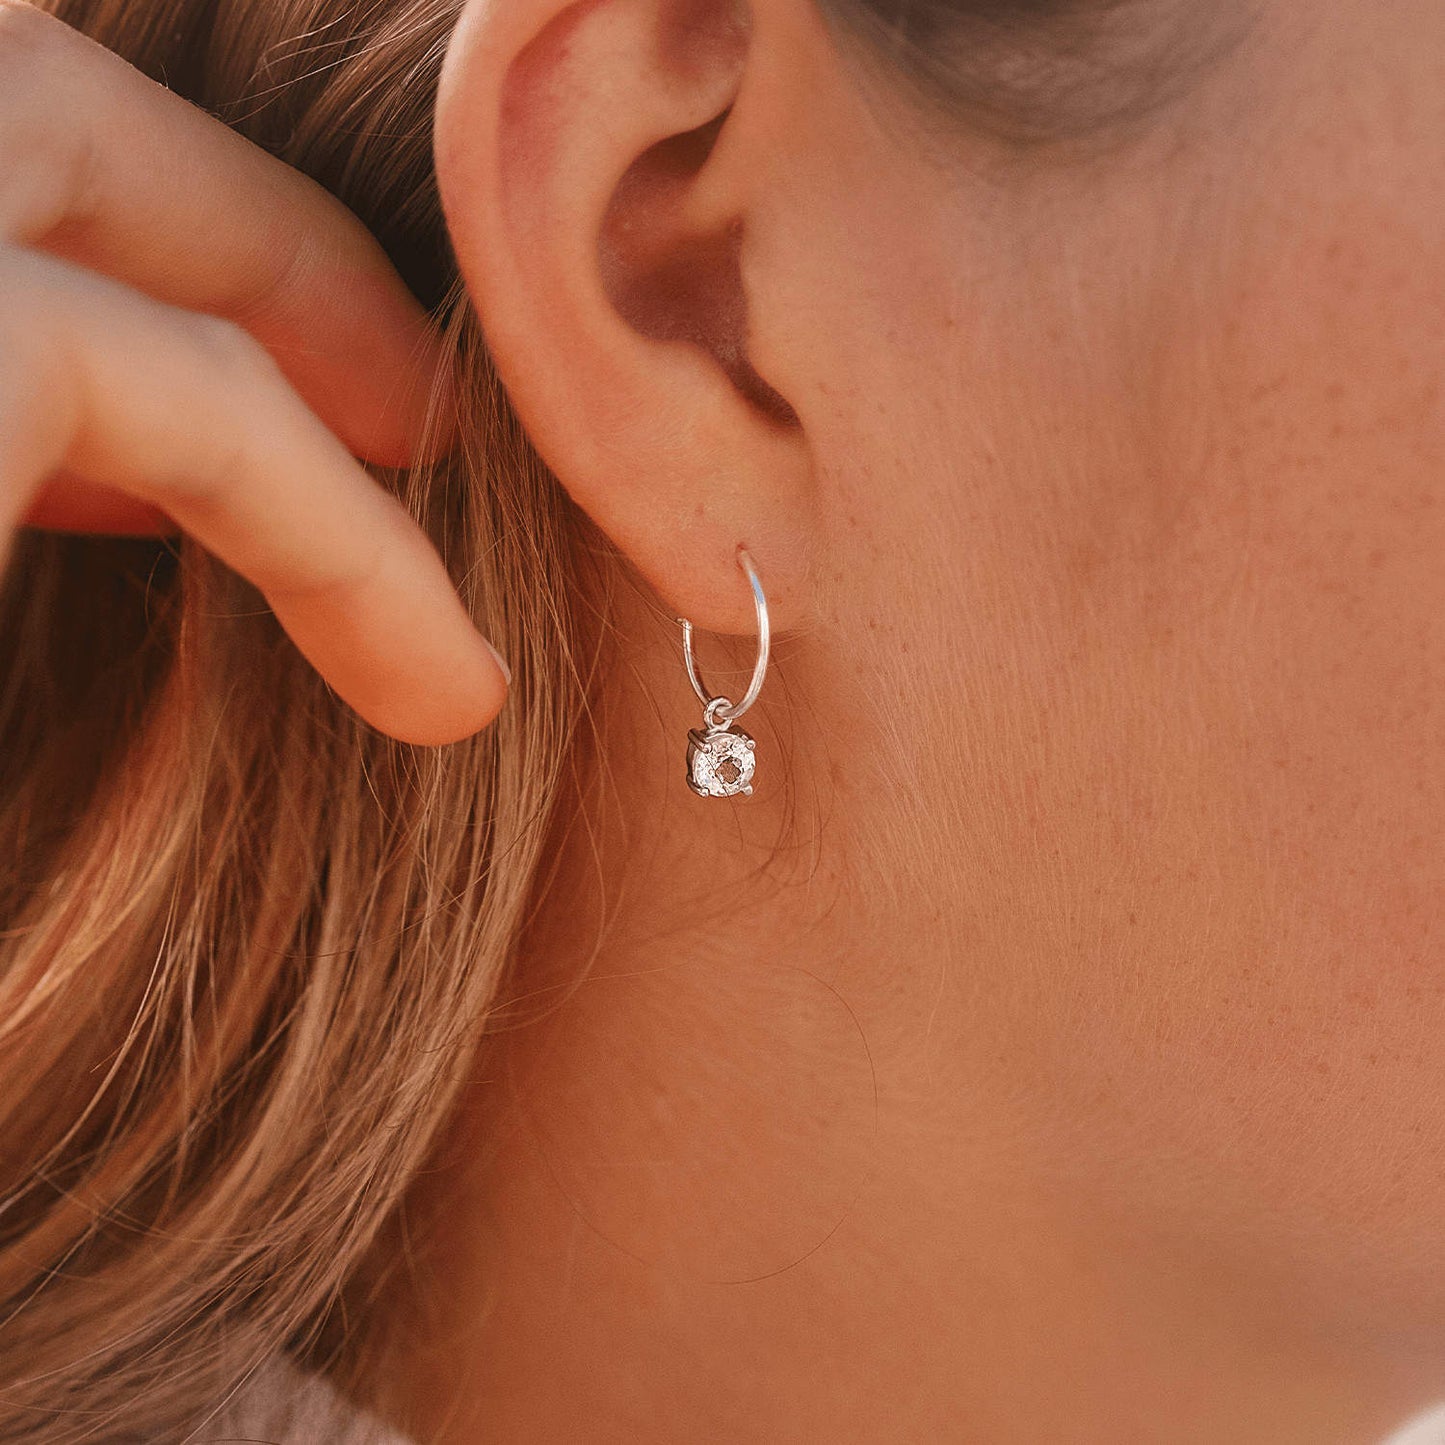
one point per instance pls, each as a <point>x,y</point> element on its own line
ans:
<point>720,761</point>
<point>721,758</point>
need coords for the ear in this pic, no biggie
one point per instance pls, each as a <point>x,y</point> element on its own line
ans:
<point>600,214</point>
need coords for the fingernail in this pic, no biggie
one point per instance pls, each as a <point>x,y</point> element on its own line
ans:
<point>501,661</point>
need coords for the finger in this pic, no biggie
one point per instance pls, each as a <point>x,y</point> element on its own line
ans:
<point>67,503</point>
<point>103,166</point>
<point>190,415</point>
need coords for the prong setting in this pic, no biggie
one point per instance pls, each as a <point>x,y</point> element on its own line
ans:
<point>720,762</point>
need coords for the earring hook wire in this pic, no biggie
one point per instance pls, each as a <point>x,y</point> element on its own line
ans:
<point>728,712</point>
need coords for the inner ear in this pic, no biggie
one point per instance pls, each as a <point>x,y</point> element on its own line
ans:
<point>671,283</point>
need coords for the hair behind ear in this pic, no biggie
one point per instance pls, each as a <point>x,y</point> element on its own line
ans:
<point>233,1014</point>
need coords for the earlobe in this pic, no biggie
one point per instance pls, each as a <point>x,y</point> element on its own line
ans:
<point>600,235</point>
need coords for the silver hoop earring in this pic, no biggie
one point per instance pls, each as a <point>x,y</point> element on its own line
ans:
<point>720,759</point>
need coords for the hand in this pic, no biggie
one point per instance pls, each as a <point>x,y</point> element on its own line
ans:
<point>194,335</point>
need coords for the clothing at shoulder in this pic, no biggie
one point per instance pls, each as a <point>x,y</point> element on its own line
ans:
<point>282,1405</point>
<point>1426,1429</point>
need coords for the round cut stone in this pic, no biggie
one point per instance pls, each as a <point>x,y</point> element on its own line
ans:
<point>721,764</point>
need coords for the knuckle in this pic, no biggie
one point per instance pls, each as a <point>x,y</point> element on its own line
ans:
<point>290,267</point>
<point>30,43</point>
<point>36,391</point>
<point>47,138</point>
<point>227,347</point>
<point>24,31</point>
<point>202,490</point>
<point>21,285</point>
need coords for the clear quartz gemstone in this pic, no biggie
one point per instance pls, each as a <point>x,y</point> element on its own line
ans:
<point>721,764</point>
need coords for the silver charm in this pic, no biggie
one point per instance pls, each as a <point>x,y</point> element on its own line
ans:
<point>721,758</point>
<point>720,761</point>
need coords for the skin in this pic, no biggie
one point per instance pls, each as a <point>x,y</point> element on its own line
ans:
<point>149,385</point>
<point>1048,1050</point>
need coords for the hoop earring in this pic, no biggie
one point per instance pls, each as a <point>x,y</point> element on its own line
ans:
<point>720,760</point>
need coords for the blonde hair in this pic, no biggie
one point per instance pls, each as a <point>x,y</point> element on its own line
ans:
<point>246,944</point>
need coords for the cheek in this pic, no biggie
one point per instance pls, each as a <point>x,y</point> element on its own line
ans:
<point>1286,615</point>
<point>1221,781</point>
<point>1146,521</point>
<point>1332,505</point>
<point>1311,554</point>
<point>1307,564</point>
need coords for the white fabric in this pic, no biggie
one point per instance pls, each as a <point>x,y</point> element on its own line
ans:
<point>281,1405</point>
<point>1426,1429</point>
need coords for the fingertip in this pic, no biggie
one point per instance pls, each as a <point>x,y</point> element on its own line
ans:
<point>419,674</point>
<point>383,378</point>
<point>469,705</point>
<point>428,402</point>
<point>489,697</point>
<point>499,660</point>
<point>428,410</point>
<point>411,428</point>
<point>442,415</point>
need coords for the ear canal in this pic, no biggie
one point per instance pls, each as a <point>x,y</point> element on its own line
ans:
<point>670,285</point>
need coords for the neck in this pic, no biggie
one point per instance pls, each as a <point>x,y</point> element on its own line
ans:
<point>750,1156</point>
